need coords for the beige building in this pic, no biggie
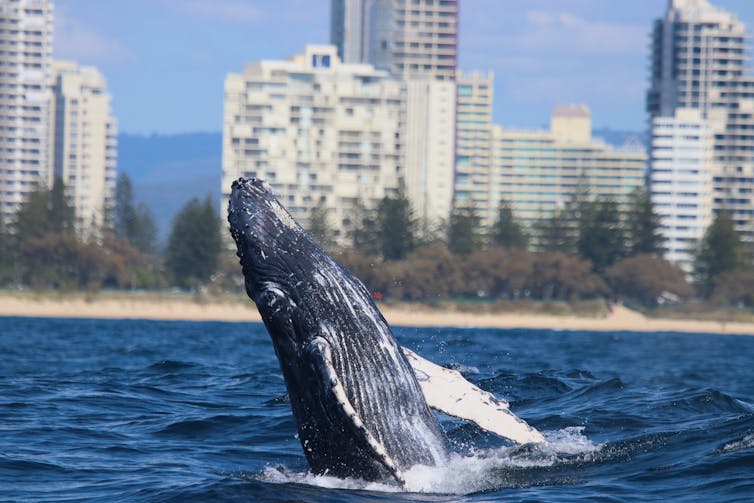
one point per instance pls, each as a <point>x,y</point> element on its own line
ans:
<point>25,59</point>
<point>539,172</point>
<point>85,142</point>
<point>409,38</point>
<point>317,131</point>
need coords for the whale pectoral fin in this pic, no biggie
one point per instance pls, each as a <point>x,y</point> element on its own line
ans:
<point>320,349</point>
<point>447,391</point>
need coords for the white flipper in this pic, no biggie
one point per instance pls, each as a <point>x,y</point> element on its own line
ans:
<point>447,391</point>
<point>321,347</point>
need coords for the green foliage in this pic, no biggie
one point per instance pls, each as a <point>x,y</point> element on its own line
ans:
<point>396,227</point>
<point>319,226</point>
<point>463,231</point>
<point>191,257</point>
<point>43,212</point>
<point>734,288</point>
<point>499,273</point>
<point>643,278</point>
<point>506,231</point>
<point>134,225</point>
<point>557,234</point>
<point>720,252</point>
<point>429,273</point>
<point>600,234</point>
<point>364,236</point>
<point>7,256</point>
<point>557,276</point>
<point>643,226</point>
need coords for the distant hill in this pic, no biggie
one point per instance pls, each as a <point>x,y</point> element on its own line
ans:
<point>168,170</point>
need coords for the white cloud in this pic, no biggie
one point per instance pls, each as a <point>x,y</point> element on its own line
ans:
<point>74,40</point>
<point>225,11</point>
<point>560,32</point>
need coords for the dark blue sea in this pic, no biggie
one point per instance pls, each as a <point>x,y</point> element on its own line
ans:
<point>96,410</point>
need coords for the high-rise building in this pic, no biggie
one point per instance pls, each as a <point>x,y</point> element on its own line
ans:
<point>539,172</point>
<point>85,142</point>
<point>319,131</point>
<point>473,173</point>
<point>428,132</point>
<point>25,62</point>
<point>700,61</point>
<point>409,38</point>
<point>680,183</point>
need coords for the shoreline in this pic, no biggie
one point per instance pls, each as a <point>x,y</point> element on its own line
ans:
<point>189,308</point>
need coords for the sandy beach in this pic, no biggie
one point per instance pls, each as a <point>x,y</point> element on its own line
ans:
<point>186,308</point>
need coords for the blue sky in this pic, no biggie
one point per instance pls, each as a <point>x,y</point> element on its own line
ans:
<point>165,60</point>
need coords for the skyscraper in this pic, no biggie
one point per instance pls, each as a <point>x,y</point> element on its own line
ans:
<point>25,62</point>
<point>409,38</point>
<point>680,182</point>
<point>85,142</point>
<point>699,61</point>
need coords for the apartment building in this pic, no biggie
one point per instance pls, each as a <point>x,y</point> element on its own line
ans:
<point>540,172</point>
<point>473,167</point>
<point>700,60</point>
<point>409,38</point>
<point>25,98</point>
<point>85,143</point>
<point>680,183</point>
<point>318,131</point>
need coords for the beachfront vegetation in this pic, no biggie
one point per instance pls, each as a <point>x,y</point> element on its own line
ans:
<point>586,250</point>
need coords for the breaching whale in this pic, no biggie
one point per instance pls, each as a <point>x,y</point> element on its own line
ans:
<point>361,410</point>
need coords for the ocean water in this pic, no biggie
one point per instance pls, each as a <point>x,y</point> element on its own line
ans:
<point>111,410</point>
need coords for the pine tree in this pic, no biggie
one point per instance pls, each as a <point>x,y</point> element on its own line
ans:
<point>643,226</point>
<point>600,237</point>
<point>194,245</point>
<point>720,252</point>
<point>396,227</point>
<point>133,224</point>
<point>556,234</point>
<point>463,231</point>
<point>319,226</point>
<point>364,237</point>
<point>506,231</point>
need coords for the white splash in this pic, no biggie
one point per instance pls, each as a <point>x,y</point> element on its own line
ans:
<point>463,474</point>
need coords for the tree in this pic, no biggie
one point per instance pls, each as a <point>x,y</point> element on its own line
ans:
<point>194,244</point>
<point>643,226</point>
<point>44,212</point>
<point>364,236</point>
<point>62,215</point>
<point>133,224</point>
<point>319,226</point>
<point>600,233</point>
<point>556,234</point>
<point>506,231</point>
<point>396,227</point>
<point>6,254</point>
<point>463,231</point>
<point>557,276</point>
<point>644,278</point>
<point>497,272</point>
<point>720,252</point>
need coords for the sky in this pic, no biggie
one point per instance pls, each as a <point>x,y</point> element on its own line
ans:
<point>165,61</point>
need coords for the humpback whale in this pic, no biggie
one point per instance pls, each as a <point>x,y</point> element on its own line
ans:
<point>361,410</point>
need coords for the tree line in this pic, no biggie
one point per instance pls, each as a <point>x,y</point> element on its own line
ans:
<point>589,248</point>
<point>41,249</point>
